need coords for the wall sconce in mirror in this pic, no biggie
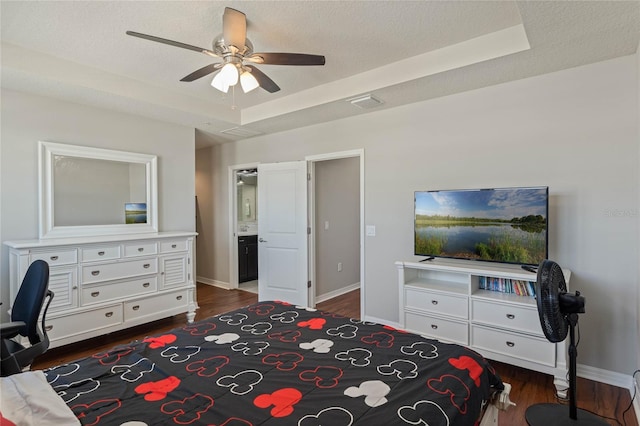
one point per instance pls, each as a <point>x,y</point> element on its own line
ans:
<point>88,191</point>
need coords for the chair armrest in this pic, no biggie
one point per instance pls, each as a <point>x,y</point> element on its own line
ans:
<point>10,329</point>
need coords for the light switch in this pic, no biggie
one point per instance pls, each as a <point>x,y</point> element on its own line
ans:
<point>326,225</point>
<point>371,231</point>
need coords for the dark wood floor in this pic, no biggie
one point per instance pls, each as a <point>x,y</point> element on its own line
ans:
<point>528,387</point>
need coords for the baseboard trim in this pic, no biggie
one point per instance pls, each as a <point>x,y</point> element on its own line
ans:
<point>215,283</point>
<point>620,380</point>
<point>336,293</point>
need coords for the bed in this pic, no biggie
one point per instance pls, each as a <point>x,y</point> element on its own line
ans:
<point>272,363</point>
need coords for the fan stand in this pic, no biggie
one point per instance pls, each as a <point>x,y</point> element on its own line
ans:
<point>554,414</point>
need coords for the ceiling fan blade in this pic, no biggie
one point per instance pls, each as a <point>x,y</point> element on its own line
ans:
<point>202,72</point>
<point>234,28</point>
<point>265,82</point>
<point>286,59</point>
<point>173,43</point>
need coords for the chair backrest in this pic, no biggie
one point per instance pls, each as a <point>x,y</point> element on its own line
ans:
<point>28,303</point>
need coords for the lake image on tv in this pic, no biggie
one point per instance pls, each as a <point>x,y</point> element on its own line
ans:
<point>507,225</point>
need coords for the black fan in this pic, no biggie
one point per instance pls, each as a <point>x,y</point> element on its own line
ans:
<point>558,311</point>
<point>233,47</point>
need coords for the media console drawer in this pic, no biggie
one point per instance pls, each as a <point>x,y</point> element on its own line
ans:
<point>439,303</point>
<point>530,348</point>
<point>439,328</point>
<point>506,316</point>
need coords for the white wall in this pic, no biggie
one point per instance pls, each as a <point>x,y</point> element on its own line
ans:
<point>574,130</point>
<point>26,119</point>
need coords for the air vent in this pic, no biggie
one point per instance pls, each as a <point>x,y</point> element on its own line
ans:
<point>239,131</point>
<point>366,102</point>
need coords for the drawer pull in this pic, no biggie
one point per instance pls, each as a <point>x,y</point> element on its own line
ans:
<point>108,314</point>
<point>146,265</point>
<point>511,316</point>
<point>48,328</point>
<point>100,253</point>
<point>140,249</point>
<point>135,308</point>
<point>178,297</point>
<point>434,302</point>
<point>145,285</point>
<point>510,344</point>
<point>54,258</point>
<point>174,245</point>
<point>75,287</point>
<point>95,273</point>
<point>95,294</point>
<point>435,327</point>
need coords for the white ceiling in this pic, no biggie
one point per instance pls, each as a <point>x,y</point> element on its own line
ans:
<point>400,51</point>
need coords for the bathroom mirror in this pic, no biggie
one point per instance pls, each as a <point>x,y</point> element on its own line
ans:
<point>247,184</point>
<point>88,191</point>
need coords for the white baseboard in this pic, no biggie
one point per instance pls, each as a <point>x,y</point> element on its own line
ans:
<point>620,380</point>
<point>214,283</point>
<point>336,293</point>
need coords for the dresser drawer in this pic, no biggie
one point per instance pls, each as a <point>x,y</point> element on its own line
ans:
<point>56,257</point>
<point>106,292</point>
<point>506,316</point>
<point>155,305</point>
<point>515,345</point>
<point>83,322</point>
<point>438,303</point>
<point>140,249</point>
<point>92,254</point>
<point>116,270</point>
<point>173,246</point>
<point>442,329</point>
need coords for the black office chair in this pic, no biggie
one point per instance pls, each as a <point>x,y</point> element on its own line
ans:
<point>24,321</point>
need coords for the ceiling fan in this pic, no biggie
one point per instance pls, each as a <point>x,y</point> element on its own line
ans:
<point>234,49</point>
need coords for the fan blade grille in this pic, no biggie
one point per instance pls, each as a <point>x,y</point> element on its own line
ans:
<point>287,59</point>
<point>549,283</point>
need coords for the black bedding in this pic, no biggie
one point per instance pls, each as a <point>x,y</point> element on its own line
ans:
<point>276,364</point>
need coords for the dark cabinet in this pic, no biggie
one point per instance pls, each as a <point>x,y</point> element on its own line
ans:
<point>247,258</point>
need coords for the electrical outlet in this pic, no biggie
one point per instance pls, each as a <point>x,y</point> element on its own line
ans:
<point>339,266</point>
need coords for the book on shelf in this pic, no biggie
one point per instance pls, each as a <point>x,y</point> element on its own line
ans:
<point>508,285</point>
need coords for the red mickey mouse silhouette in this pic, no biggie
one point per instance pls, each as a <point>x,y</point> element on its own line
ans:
<point>155,391</point>
<point>470,364</point>
<point>156,342</point>
<point>313,323</point>
<point>282,400</point>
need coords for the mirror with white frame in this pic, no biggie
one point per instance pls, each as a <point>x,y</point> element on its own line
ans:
<point>88,191</point>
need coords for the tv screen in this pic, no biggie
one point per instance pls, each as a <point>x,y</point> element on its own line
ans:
<point>508,225</point>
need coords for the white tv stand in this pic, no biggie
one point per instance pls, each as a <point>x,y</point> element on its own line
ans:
<point>442,299</point>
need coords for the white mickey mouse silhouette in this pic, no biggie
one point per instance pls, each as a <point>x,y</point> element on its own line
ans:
<point>320,346</point>
<point>374,392</point>
<point>223,338</point>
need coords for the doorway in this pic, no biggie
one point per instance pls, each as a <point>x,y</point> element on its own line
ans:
<point>318,265</point>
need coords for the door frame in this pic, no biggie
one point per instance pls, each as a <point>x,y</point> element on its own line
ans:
<point>233,221</point>
<point>311,162</point>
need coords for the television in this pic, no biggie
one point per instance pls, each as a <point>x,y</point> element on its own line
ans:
<point>506,225</point>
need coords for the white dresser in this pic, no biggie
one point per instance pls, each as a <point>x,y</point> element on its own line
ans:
<point>445,299</point>
<point>108,283</point>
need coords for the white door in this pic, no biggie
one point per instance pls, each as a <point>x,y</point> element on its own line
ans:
<point>282,232</point>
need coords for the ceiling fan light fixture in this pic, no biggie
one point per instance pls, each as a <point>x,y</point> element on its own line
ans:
<point>248,82</point>
<point>228,76</point>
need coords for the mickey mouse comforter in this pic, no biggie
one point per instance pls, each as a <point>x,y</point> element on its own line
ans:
<point>276,364</point>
